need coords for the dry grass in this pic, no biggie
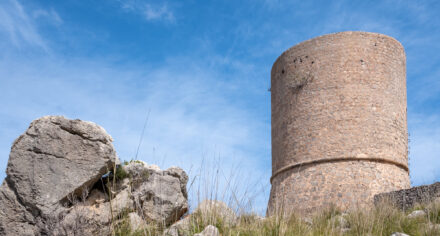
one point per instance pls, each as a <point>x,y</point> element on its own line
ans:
<point>380,220</point>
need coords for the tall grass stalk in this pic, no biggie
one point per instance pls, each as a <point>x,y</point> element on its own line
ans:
<point>211,182</point>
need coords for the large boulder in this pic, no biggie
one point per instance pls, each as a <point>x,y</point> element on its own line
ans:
<point>54,159</point>
<point>58,183</point>
<point>160,196</point>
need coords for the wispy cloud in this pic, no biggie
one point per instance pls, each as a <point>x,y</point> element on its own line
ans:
<point>150,11</point>
<point>51,16</point>
<point>158,13</point>
<point>17,27</point>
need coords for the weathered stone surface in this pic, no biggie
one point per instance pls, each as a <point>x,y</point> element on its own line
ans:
<point>54,159</point>
<point>180,228</point>
<point>209,230</point>
<point>14,218</point>
<point>122,201</point>
<point>217,209</point>
<point>56,162</point>
<point>160,195</point>
<point>407,198</point>
<point>417,214</point>
<point>136,222</point>
<point>83,220</point>
<point>93,216</point>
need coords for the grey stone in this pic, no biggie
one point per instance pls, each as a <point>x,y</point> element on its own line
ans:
<point>172,231</point>
<point>136,222</point>
<point>399,234</point>
<point>83,220</point>
<point>209,230</point>
<point>93,216</point>
<point>407,198</point>
<point>14,218</point>
<point>160,195</point>
<point>180,228</point>
<point>56,158</point>
<point>55,163</point>
<point>417,214</point>
<point>213,209</point>
<point>122,201</point>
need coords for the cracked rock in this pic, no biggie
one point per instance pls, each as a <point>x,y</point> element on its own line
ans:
<point>159,195</point>
<point>55,157</point>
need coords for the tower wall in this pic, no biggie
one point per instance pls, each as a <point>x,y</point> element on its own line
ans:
<point>339,126</point>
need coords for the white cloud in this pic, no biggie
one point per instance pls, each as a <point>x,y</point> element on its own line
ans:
<point>158,13</point>
<point>50,15</point>
<point>150,11</point>
<point>17,26</point>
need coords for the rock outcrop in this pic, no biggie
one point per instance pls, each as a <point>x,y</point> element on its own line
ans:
<point>53,159</point>
<point>159,195</point>
<point>61,180</point>
<point>180,228</point>
<point>149,194</point>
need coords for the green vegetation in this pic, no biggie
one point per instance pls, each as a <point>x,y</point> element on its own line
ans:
<point>120,173</point>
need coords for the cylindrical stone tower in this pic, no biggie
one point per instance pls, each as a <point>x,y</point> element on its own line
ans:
<point>339,130</point>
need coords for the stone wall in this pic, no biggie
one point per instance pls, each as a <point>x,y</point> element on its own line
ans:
<point>407,198</point>
<point>339,129</point>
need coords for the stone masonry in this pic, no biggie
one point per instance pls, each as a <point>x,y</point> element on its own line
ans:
<point>407,198</point>
<point>339,126</point>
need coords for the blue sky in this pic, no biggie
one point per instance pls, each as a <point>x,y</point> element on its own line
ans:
<point>202,70</point>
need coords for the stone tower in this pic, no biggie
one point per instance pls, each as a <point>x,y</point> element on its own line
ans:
<point>339,130</point>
